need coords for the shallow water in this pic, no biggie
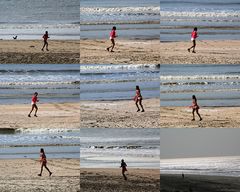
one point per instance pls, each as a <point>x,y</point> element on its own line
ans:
<point>29,19</point>
<point>53,83</point>
<point>118,82</point>
<point>209,83</point>
<point>103,148</point>
<point>215,19</point>
<point>26,143</point>
<point>134,19</point>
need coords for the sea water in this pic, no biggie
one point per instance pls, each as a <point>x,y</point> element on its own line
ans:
<point>134,19</point>
<point>215,19</point>
<point>219,166</point>
<point>213,85</point>
<point>29,19</point>
<point>54,83</point>
<point>101,148</point>
<point>26,143</point>
<point>118,82</point>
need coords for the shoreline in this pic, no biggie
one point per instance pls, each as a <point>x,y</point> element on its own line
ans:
<point>29,52</point>
<point>213,117</point>
<point>53,115</point>
<point>208,52</point>
<point>117,114</point>
<point>139,180</point>
<point>21,175</point>
<point>198,183</point>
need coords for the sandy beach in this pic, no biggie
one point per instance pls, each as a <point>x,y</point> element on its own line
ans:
<point>29,52</point>
<point>54,115</point>
<point>119,114</point>
<point>208,52</point>
<point>21,175</point>
<point>139,180</point>
<point>213,117</point>
<point>126,52</point>
<point>197,183</point>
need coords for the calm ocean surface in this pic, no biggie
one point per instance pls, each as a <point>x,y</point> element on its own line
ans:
<point>213,85</point>
<point>118,82</point>
<point>134,19</point>
<point>29,19</point>
<point>104,148</point>
<point>54,83</point>
<point>215,19</point>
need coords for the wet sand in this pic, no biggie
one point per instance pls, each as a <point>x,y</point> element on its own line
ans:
<point>111,180</point>
<point>197,183</point>
<point>208,52</point>
<point>21,175</point>
<point>213,117</point>
<point>126,52</point>
<point>119,114</point>
<point>55,115</point>
<point>29,52</point>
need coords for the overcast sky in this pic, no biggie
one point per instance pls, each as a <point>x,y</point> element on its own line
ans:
<point>199,142</point>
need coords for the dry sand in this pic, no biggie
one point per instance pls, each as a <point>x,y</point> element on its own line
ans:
<point>208,52</point>
<point>55,115</point>
<point>213,117</point>
<point>111,180</point>
<point>21,175</point>
<point>197,183</point>
<point>119,114</point>
<point>126,52</point>
<point>29,51</point>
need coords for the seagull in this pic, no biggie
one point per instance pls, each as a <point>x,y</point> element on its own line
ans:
<point>15,37</point>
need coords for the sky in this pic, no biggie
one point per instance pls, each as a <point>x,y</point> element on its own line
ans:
<point>199,142</point>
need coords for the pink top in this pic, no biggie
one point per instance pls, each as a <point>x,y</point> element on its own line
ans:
<point>138,95</point>
<point>113,34</point>
<point>194,34</point>
<point>194,105</point>
<point>45,37</point>
<point>34,99</point>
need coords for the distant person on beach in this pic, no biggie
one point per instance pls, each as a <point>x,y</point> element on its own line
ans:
<point>45,42</point>
<point>43,161</point>
<point>124,168</point>
<point>195,107</point>
<point>194,36</point>
<point>113,35</point>
<point>138,99</point>
<point>34,104</point>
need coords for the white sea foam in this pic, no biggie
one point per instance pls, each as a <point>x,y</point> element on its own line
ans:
<point>201,14</point>
<point>225,166</point>
<point>199,77</point>
<point>120,10</point>
<point>86,68</point>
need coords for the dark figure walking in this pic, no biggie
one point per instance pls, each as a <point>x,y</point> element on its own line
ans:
<point>194,36</point>
<point>45,42</point>
<point>124,169</point>
<point>196,108</point>
<point>138,99</point>
<point>43,161</point>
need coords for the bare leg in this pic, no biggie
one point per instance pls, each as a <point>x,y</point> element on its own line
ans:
<point>137,105</point>
<point>140,103</point>
<point>113,44</point>
<point>36,111</point>
<point>124,176</point>
<point>193,119</point>
<point>47,46</point>
<point>200,118</point>
<point>50,173</point>
<point>44,44</point>
<point>40,174</point>
<point>29,115</point>
<point>194,45</point>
